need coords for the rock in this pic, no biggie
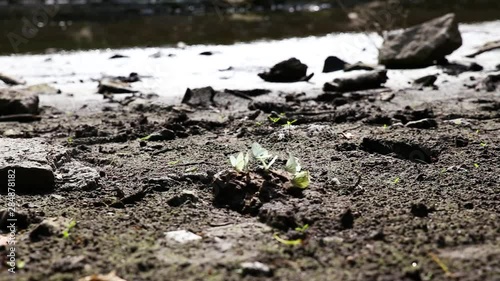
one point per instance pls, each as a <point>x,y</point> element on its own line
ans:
<point>268,107</point>
<point>114,86</point>
<point>22,220</point>
<point>18,102</point>
<point>29,160</point>
<point>249,93</point>
<point>425,81</point>
<point>206,53</point>
<point>49,227</point>
<point>458,68</point>
<point>131,78</point>
<point>117,56</point>
<point>278,215</point>
<point>426,123</point>
<point>358,66</point>
<point>489,46</point>
<point>156,55</point>
<point>291,70</point>
<point>255,269</point>
<point>333,64</point>
<point>199,97</point>
<point>76,176</point>
<point>182,198</point>
<point>182,236</point>
<point>421,45</point>
<point>490,83</point>
<point>371,80</point>
<point>42,89</point>
<point>162,135</point>
<point>9,80</point>
<point>497,67</point>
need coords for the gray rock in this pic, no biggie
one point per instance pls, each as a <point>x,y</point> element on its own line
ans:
<point>185,196</point>
<point>199,97</point>
<point>291,70</point>
<point>9,80</point>
<point>426,123</point>
<point>49,227</point>
<point>76,176</point>
<point>425,81</point>
<point>333,63</point>
<point>32,162</point>
<point>255,269</point>
<point>366,81</point>
<point>421,45</point>
<point>114,86</point>
<point>182,236</point>
<point>42,89</point>
<point>17,102</point>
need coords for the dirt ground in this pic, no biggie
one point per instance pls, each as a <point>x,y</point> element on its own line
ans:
<point>386,201</point>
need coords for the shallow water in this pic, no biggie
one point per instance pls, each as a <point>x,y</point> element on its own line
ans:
<point>170,76</point>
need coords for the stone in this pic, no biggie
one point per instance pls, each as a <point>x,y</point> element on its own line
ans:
<point>455,68</point>
<point>30,162</point>
<point>182,236</point>
<point>491,82</point>
<point>425,81</point>
<point>117,56</point>
<point>425,123</point>
<point>49,227</point>
<point>421,45</point>
<point>182,198</point>
<point>9,80</point>
<point>42,89</point>
<point>199,97</point>
<point>358,66</point>
<point>114,86</point>
<point>332,64</point>
<point>255,269</point>
<point>22,220</point>
<point>162,135</point>
<point>77,176</point>
<point>18,102</point>
<point>366,81</point>
<point>291,70</point>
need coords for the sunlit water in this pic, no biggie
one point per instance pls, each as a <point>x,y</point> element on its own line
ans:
<point>170,76</point>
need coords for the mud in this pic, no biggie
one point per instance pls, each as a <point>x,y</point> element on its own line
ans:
<point>384,201</point>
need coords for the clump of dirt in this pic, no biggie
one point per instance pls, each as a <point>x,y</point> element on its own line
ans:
<point>247,192</point>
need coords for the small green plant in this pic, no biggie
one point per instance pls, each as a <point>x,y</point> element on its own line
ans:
<point>172,163</point>
<point>302,228</point>
<point>191,169</point>
<point>384,127</point>
<point>274,119</point>
<point>145,138</point>
<point>240,162</point>
<point>476,165</point>
<point>300,179</point>
<point>483,144</point>
<point>262,155</point>
<point>258,123</point>
<point>70,226</point>
<point>287,242</point>
<point>396,180</point>
<point>289,123</point>
<point>70,140</point>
